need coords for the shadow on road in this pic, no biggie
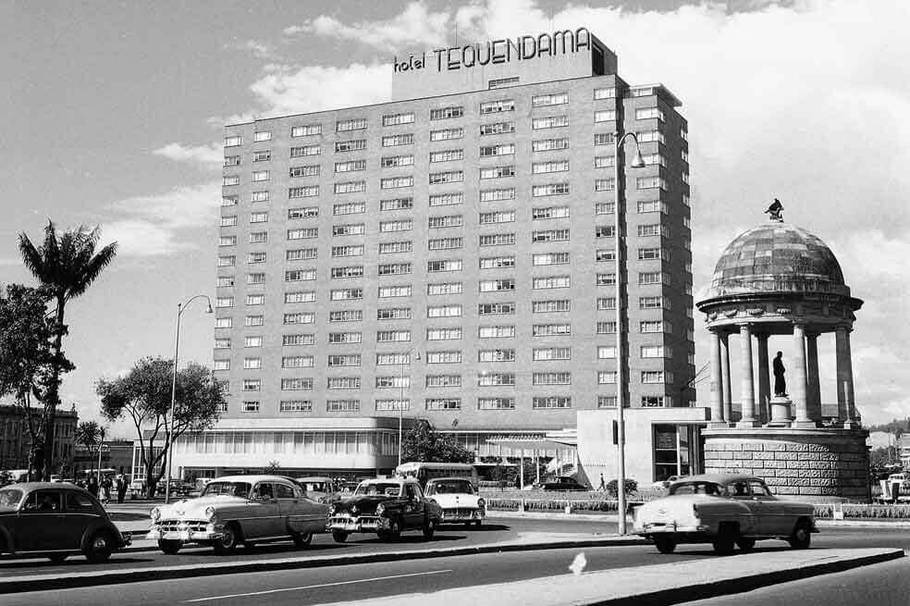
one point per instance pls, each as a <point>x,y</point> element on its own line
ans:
<point>74,562</point>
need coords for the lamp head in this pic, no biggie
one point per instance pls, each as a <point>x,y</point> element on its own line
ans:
<point>208,309</point>
<point>637,160</point>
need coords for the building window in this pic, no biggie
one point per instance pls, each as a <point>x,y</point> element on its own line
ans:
<point>444,288</point>
<point>252,341</point>
<point>393,226</point>
<point>550,402</point>
<point>445,243</point>
<point>350,271</point>
<point>495,309</point>
<point>300,254</point>
<point>342,405</point>
<point>548,100</point>
<point>337,338</point>
<point>444,265</point>
<point>497,195</point>
<point>250,406</point>
<point>393,313</point>
<point>350,145</point>
<point>554,166</point>
<point>503,331</point>
<point>306,130</point>
<point>396,182</point>
<point>348,229</point>
<point>446,134</point>
<point>346,315</point>
<point>446,199</point>
<point>444,334</point>
<point>497,262</point>
<point>496,379</point>
<point>343,383</point>
<point>386,292</point>
<point>445,221</point>
<point>252,384</point>
<point>351,124</point>
<point>445,113</point>
<point>443,357</point>
<point>500,285</point>
<point>298,275</point>
<point>503,149</point>
<point>349,208</point>
<point>393,336</point>
<point>308,191</point>
<point>545,145</point>
<point>443,403</point>
<point>233,141</point>
<point>298,339</point>
<point>350,187</point>
<point>552,378</point>
<point>397,119</point>
<point>260,175</point>
<point>496,355</point>
<point>336,360</point>
<point>305,150</point>
<point>545,354</point>
<point>549,122</point>
<point>549,282</point>
<point>396,204</point>
<point>385,405</point>
<point>494,107</point>
<point>397,161</point>
<point>550,189</point>
<point>497,172</point>
<point>299,317</point>
<point>554,258</point>
<point>295,406</point>
<point>496,403</point>
<point>654,351</point>
<point>497,128</point>
<point>551,306</point>
<point>453,176</point>
<point>300,296</point>
<point>433,381</point>
<point>605,279</point>
<point>346,294</point>
<point>262,156</point>
<point>350,166</point>
<point>551,330</point>
<point>351,250</point>
<point>230,180</point>
<point>399,139</point>
<point>502,82</point>
<point>447,155</point>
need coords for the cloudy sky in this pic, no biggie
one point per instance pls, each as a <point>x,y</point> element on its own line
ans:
<point>113,114</point>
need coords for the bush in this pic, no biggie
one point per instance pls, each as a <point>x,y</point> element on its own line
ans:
<point>631,487</point>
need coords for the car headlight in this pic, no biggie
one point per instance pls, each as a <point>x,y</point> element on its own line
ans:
<point>481,503</point>
<point>354,510</point>
<point>333,509</point>
<point>210,512</point>
<point>380,509</point>
<point>155,513</point>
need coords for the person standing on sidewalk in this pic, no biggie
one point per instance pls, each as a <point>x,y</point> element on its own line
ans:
<point>121,488</point>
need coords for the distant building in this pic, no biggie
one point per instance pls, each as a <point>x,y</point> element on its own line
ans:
<point>450,255</point>
<point>15,443</point>
<point>115,454</point>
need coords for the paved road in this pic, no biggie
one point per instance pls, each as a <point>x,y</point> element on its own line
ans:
<point>886,584</point>
<point>448,536</point>
<point>393,578</point>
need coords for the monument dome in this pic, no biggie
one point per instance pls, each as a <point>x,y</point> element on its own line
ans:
<point>776,257</point>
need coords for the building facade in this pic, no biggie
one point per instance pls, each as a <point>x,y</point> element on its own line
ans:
<point>451,255</point>
<point>15,443</point>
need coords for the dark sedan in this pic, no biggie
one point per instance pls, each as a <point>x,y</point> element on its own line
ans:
<point>56,520</point>
<point>386,507</point>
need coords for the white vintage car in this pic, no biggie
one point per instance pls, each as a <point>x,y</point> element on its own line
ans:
<point>239,509</point>
<point>724,510</point>
<point>459,501</point>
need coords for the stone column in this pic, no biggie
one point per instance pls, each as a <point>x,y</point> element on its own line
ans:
<point>717,389</point>
<point>846,410</point>
<point>725,369</point>
<point>814,403</point>
<point>747,397</point>
<point>764,380</point>
<point>798,389</point>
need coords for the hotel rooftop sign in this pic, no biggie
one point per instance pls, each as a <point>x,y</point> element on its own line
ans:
<point>523,59</point>
<point>504,50</point>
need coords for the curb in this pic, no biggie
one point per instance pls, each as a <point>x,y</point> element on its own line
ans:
<point>90,579</point>
<point>713,589</point>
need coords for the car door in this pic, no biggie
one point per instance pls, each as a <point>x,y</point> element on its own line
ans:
<point>772,516</point>
<point>264,515</point>
<point>79,512</point>
<point>747,508</point>
<point>298,513</point>
<point>413,506</point>
<point>39,521</point>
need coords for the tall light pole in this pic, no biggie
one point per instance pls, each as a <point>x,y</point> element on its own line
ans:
<point>401,396</point>
<point>170,428</point>
<point>637,162</point>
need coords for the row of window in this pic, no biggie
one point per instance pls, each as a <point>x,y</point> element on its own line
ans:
<point>448,403</point>
<point>451,112</point>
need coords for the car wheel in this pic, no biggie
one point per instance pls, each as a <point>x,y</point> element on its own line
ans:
<point>302,539</point>
<point>230,538</point>
<point>665,544</point>
<point>394,529</point>
<point>745,545</point>
<point>340,536</point>
<point>478,523</point>
<point>429,528</point>
<point>724,541</point>
<point>169,547</point>
<point>57,558</point>
<point>100,547</point>
<point>801,538</point>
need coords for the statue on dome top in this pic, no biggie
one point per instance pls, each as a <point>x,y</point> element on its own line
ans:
<point>775,211</point>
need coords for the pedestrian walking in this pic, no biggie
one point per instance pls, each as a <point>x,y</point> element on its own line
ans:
<point>121,488</point>
<point>602,486</point>
<point>93,485</point>
<point>106,486</point>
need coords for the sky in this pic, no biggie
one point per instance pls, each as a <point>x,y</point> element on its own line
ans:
<point>114,114</point>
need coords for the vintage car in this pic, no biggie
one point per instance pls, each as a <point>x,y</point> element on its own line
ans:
<point>56,520</point>
<point>458,499</point>
<point>725,510</point>
<point>386,507</point>
<point>319,488</point>
<point>239,509</point>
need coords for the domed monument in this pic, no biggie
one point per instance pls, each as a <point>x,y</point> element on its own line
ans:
<point>778,280</point>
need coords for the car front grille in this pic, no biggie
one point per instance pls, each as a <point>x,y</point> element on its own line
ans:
<point>458,511</point>
<point>181,525</point>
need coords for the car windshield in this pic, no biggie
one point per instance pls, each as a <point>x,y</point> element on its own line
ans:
<point>450,487</point>
<point>314,486</point>
<point>695,488</point>
<point>388,489</point>
<point>231,489</point>
<point>10,497</point>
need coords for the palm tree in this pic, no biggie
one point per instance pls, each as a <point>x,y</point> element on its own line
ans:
<point>65,264</point>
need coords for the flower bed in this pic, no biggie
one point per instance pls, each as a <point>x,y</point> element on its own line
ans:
<point>857,511</point>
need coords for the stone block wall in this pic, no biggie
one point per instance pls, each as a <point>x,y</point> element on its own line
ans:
<point>794,462</point>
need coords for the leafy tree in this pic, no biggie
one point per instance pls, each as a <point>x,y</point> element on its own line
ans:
<point>27,366</point>
<point>90,435</point>
<point>66,264</point>
<point>423,443</point>
<point>144,395</point>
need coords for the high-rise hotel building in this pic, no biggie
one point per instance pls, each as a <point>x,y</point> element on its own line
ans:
<point>450,255</point>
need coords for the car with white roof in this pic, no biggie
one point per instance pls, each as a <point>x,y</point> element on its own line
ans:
<point>459,501</point>
<point>239,509</point>
<point>725,510</point>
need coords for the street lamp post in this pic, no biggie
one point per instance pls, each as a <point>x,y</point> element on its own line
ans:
<point>170,428</point>
<point>401,397</point>
<point>637,162</point>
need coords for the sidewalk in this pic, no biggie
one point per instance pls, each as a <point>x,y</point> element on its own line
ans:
<point>657,584</point>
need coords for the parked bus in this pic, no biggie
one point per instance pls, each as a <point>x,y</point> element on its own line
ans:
<point>427,471</point>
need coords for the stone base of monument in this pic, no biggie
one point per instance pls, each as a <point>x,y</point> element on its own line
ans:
<point>780,411</point>
<point>812,464</point>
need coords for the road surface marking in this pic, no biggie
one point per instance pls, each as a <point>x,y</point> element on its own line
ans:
<point>268,591</point>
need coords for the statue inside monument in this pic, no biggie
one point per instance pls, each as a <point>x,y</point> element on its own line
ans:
<point>780,384</point>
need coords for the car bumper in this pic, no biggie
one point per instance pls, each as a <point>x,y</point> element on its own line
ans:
<point>185,533</point>
<point>651,528</point>
<point>357,523</point>
<point>462,515</point>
